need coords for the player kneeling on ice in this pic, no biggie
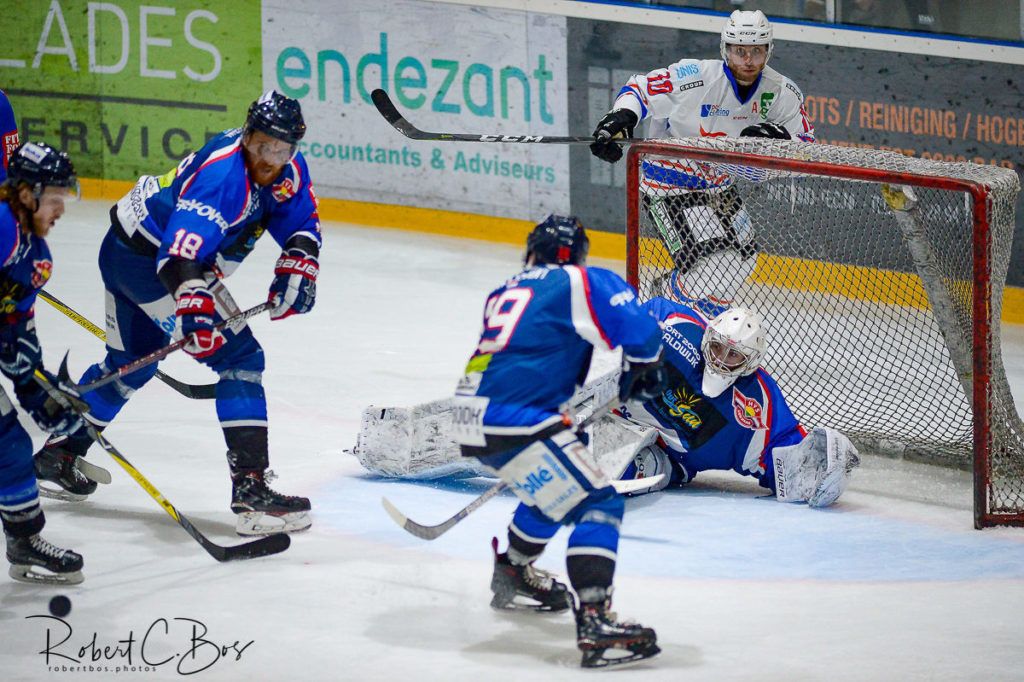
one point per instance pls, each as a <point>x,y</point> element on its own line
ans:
<point>539,329</point>
<point>172,240</point>
<point>39,181</point>
<point>722,411</point>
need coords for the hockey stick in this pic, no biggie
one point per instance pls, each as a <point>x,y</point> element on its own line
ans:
<point>194,391</point>
<point>264,546</point>
<point>161,353</point>
<point>434,532</point>
<point>388,110</point>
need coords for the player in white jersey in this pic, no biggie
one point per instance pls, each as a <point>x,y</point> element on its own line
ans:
<point>700,215</point>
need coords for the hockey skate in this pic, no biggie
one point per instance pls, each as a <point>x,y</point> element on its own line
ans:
<point>34,560</point>
<point>605,641</point>
<point>263,511</point>
<point>538,590</point>
<point>63,475</point>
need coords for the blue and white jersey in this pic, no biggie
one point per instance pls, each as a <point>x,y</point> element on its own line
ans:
<point>209,210</point>
<point>25,266</point>
<point>539,330</point>
<point>8,134</point>
<point>737,430</point>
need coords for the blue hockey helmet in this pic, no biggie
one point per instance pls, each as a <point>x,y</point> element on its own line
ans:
<point>39,165</point>
<point>277,116</point>
<point>559,240</point>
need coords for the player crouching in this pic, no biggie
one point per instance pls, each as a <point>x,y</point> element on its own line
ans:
<point>539,331</point>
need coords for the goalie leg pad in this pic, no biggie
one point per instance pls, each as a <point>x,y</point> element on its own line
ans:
<point>650,461</point>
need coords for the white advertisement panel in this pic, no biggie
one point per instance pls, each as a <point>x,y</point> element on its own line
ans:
<point>448,69</point>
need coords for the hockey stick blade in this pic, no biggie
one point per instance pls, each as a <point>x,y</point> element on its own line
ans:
<point>387,109</point>
<point>193,391</point>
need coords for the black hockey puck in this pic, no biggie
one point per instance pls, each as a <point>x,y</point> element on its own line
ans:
<point>60,606</point>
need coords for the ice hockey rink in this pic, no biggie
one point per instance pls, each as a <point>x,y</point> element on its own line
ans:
<point>892,583</point>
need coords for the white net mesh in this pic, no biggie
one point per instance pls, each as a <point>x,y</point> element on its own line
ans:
<point>869,310</point>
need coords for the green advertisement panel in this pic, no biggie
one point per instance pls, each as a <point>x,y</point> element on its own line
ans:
<point>128,87</point>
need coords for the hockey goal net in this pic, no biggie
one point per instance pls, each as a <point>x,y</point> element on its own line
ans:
<point>879,276</point>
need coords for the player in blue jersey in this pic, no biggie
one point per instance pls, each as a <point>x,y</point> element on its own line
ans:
<point>172,240</point>
<point>8,134</point>
<point>722,411</point>
<point>539,330</point>
<point>39,180</point>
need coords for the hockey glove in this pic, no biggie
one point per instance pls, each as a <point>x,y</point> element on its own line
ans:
<point>49,414</point>
<point>294,285</point>
<point>615,124</point>
<point>20,352</point>
<point>196,312</point>
<point>772,131</point>
<point>642,380</point>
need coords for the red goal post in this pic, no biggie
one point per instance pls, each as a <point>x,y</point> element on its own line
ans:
<point>879,276</point>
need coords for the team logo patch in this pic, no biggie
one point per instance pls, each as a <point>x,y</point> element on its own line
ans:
<point>41,272</point>
<point>10,144</point>
<point>748,411</point>
<point>284,190</point>
<point>660,84</point>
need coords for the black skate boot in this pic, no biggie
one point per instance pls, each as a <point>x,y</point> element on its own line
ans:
<point>60,476</point>
<point>262,511</point>
<point>540,587</point>
<point>30,554</point>
<point>598,633</point>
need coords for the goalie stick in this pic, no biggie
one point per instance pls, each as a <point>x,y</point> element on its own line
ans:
<point>434,532</point>
<point>194,391</point>
<point>265,546</point>
<point>387,109</point>
<point>161,353</point>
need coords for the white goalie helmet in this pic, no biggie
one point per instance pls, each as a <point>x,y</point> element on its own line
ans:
<point>747,28</point>
<point>733,346</point>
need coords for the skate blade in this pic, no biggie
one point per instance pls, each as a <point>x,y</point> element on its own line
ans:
<point>263,523</point>
<point>58,493</point>
<point>27,573</point>
<point>596,658</point>
<point>524,604</point>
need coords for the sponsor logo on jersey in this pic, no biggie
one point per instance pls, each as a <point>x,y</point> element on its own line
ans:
<point>687,70</point>
<point>677,341</point>
<point>708,133</point>
<point>682,404</point>
<point>659,84</point>
<point>691,85</point>
<point>796,91</point>
<point>203,211</point>
<point>10,144</point>
<point>621,298</point>
<point>748,411</point>
<point>42,269</point>
<point>708,110</point>
<point>535,480</point>
<point>766,102</point>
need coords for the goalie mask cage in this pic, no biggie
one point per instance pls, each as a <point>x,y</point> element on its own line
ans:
<point>879,277</point>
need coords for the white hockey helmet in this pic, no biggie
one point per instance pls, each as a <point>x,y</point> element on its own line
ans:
<point>733,346</point>
<point>747,28</point>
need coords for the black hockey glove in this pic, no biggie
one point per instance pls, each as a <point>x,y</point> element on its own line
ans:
<point>772,131</point>
<point>48,413</point>
<point>642,380</point>
<point>615,124</point>
<point>20,352</point>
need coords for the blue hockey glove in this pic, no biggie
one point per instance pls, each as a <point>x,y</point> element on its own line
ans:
<point>196,312</point>
<point>48,413</point>
<point>20,352</point>
<point>294,285</point>
<point>642,380</point>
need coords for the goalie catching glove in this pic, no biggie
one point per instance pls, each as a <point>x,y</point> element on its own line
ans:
<point>816,470</point>
<point>196,313</point>
<point>294,287</point>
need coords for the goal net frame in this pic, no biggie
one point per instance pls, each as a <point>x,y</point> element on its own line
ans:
<point>986,295</point>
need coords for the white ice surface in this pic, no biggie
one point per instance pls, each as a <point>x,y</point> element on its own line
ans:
<point>891,584</point>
